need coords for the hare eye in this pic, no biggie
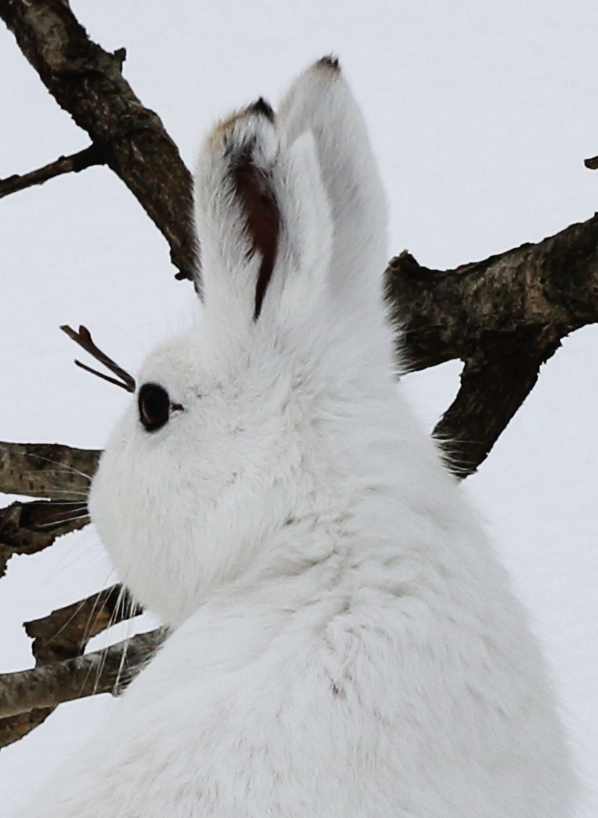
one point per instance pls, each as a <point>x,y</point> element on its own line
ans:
<point>154,406</point>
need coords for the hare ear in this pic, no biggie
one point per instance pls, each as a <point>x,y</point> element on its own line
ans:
<point>320,101</point>
<point>237,212</point>
<point>264,222</point>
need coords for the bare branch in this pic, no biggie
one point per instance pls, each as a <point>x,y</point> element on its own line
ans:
<point>65,632</point>
<point>503,317</point>
<point>104,671</point>
<point>84,339</point>
<point>46,470</point>
<point>492,390</point>
<point>63,635</point>
<point>87,82</point>
<point>64,164</point>
<point>13,728</point>
<point>42,470</point>
<point>26,528</point>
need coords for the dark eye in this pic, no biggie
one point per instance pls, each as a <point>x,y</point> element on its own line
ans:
<point>154,406</point>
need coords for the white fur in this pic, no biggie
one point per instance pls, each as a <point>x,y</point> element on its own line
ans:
<point>346,644</point>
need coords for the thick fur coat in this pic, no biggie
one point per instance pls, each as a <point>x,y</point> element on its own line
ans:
<point>345,643</point>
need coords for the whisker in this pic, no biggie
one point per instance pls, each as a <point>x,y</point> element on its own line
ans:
<point>69,492</point>
<point>60,521</point>
<point>119,614</point>
<point>43,498</point>
<point>113,615</point>
<point>122,601</point>
<point>121,665</point>
<point>92,628</point>
<point>67,622</point>
<point>64,467</point>
<point>89,629</point>
<point>72,497</point>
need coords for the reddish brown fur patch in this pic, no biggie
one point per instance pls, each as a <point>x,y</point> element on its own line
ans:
<point>262,217</point>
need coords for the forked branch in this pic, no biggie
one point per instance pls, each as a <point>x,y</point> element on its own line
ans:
<point>503,317</point>
<point>88,82</point>
<point>84,339</point>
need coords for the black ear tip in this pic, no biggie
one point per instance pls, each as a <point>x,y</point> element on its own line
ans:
<point>331,62</point>
<point>263,108</point>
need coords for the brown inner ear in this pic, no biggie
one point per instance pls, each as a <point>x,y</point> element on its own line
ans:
<point>263,220</point>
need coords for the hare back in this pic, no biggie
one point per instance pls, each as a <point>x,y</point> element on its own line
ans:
<point>364,703</point>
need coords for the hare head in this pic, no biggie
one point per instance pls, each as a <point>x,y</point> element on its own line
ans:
<point>243,429</point>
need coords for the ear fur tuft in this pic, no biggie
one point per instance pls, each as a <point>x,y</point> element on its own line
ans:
<point>331,62</point>
<point>262,106</point>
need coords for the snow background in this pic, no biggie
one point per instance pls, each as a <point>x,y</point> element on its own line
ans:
<point>480,115</point>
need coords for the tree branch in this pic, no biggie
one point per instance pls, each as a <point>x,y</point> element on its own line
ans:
<point>26,528</point>
<point>42,470</point>
<point>46,470</point>
<point>87,82</point>
<point>503,317</point>
<point>64,164</point>
<point>65,632</point>
<point>104,671</point>
<point>59,637</point>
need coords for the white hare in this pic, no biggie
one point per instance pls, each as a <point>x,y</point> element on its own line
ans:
<point>345,643</point>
